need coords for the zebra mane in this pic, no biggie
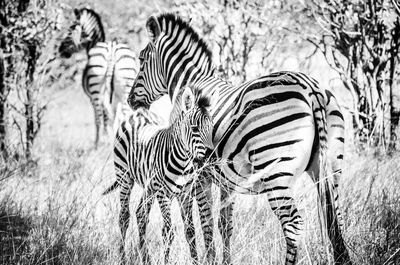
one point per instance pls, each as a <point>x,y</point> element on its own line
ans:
<point>183,25</point>
<point>97,17</point>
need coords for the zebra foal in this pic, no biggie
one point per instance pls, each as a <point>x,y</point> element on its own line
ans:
<point>109,72</point>
<point>156,158</point>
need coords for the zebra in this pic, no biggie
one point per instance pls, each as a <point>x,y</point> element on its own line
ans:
<point>109,72</point>
<point>156,158</point>
<point>283,120</point>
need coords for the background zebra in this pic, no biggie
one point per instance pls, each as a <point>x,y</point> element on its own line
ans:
<point>282,119</point>
<point>109,72</point>
<point>156,158</point>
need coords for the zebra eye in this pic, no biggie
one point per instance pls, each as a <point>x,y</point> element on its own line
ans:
<point>139,91</point>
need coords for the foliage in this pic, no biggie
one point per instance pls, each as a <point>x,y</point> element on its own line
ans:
<point>27,35</point>
<point>360,40</point>
<point>242,34</point>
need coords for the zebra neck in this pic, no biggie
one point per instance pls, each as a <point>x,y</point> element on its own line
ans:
<point>179,141</point>
<point>186,67</point>
<point>184,77</point>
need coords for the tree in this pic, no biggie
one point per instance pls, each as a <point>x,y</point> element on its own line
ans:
<point>27,29</point>
<point>360,40</point>
<point>243,34</point>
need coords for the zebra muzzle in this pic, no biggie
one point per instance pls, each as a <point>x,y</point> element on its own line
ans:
<point>199,161</point>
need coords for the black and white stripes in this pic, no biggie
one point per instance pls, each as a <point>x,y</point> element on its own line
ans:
<point>275,127</point>
<point>157,158</point>
<point>109,72</point>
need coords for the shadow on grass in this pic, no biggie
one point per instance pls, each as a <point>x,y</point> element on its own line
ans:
<point>50,238</point>
<point>14,231</point>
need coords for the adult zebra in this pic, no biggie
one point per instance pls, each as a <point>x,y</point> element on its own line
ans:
<point>283,120</point>
<point>109,72</point>
<point>156,158</point>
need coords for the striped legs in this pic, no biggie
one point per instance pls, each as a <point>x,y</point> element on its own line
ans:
<point>124,215</point>
<point>186,206</point>
<point>101,117</point>
<point>225,224</point>
<point>106,121</point>
<point>98,119</point>
<point>335,224</point>
<point>335,124</point>
<point>204,203</point>
<point>283,205</point>
<point>167,231</point>
<point>142,217</point>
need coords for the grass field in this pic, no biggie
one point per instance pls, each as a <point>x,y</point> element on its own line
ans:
<point>53,213</point>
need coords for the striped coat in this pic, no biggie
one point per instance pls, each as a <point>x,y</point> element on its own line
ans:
<point>267,131</point>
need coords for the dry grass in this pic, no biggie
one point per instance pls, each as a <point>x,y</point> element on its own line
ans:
<point>53,213</point>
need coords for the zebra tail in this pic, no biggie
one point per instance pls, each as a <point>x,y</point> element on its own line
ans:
<point>110,75</point>
<point>111,188</point>
<point>112,83</point>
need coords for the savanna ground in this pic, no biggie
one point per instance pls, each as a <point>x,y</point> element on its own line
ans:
<point>53,213</point>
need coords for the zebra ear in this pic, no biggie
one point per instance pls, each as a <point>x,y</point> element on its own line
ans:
<point>214,97</point>
<point>187,99</point>
<point>153,28</point>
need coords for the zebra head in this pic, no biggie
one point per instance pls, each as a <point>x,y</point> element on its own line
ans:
<point>197,125</point>
<point>150,73</point>
<point>174,56</point>
<point>84,33</point>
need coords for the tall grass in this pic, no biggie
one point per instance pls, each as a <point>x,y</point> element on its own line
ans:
<point>54,214</point>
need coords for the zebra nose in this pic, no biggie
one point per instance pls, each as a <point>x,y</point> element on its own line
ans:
<point>131,101</point>
<point>199,161</point>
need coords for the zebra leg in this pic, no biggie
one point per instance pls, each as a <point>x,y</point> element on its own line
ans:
<point>142,217</point>
<point>335,143</point>
<point>167,231</point>
<point>106,121</point>
<point>335,220</point>
<point>225,224</point>
<point>108,127</point>
<point>124,216</point>
<point>204,203</point>
<point>98,119</point>
<point>283,205</point>
<point>328,200</point>
<point>186,205</point>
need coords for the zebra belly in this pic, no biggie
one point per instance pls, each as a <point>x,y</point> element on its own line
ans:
<point>266,137</point>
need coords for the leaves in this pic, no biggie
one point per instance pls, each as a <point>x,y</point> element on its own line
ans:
<point>242,34</point>
<point>27,35</point>
<point>360,42</point>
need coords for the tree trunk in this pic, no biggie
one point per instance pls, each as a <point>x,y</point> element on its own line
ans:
<point>29,117</point>
<point>387,101</point>
<point>3,23</point>
<point>29,123</point>
<point>2,105</point>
